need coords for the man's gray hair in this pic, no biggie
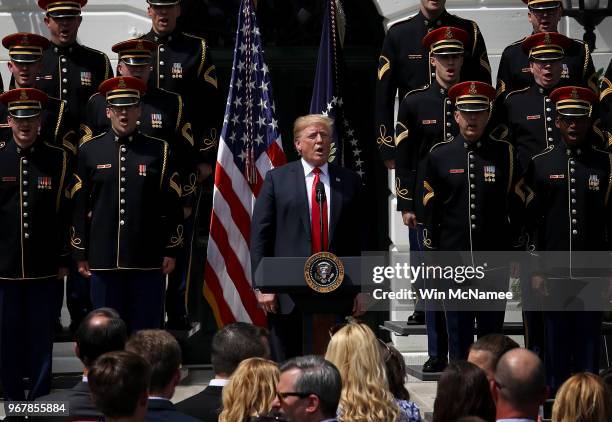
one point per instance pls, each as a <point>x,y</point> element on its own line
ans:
<point>320,377</point>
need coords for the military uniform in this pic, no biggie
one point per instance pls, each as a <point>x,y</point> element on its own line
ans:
<point>468,195</point>
<point>34,228</point>
<point>182,64</point>
<point>404,66</point>
<point>566,193</point>
<point>56,126</point>
<point>127,214</point>
<point>161,117</point>
<point>73,74</point>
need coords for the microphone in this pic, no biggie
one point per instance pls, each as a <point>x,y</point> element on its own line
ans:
<point>320,193</point>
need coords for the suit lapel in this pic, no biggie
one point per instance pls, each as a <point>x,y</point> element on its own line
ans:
<point>335,183</point>
<point>302,198</point>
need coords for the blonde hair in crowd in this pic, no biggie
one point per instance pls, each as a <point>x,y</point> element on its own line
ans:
<point>365,389</point>
<point>251,390</point>
<point>303,122</point>
<point>583,398</point>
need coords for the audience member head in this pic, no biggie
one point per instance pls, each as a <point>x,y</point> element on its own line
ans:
<point>487,350</point>
<point>119,383</point>
<point>365,390</point>
<point>395,368</point>
<point>463,391</point>
<point>101,331</point>
<point>312,138</point>
<point>470,419</point>
<point>583,398</point>
<point>251,390</point>
<point>163,353</point>
<point>236,342</point>
<point>519,386</point>
<point>308,390</point>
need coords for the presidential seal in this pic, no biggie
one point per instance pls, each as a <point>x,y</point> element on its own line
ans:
<point>323,272</point>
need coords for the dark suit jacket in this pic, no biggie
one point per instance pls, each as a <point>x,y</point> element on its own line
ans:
<point>79,399</point>
<point>206,405</point>
<point>281,219</point>
<point>164,410</point>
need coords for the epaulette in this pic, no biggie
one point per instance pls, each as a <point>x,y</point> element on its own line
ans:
<point>93,50</point>
<point>194,36</point>
<point>516,91</point>
<point>93,95</point>
<point>85,140</point>
<point>499,133</point>
<point>414,91</point>
<point>516,42</point>
<point>153,138</point>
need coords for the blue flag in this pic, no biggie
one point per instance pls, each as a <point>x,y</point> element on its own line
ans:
<point>327,95</point>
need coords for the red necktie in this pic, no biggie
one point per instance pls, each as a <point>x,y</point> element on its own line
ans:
<point>315,226</point>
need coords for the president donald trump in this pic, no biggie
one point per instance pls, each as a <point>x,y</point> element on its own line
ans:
<point>286,223</point>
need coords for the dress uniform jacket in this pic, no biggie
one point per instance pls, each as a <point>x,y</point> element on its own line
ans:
<point>55,125</point>
<point>566,195</point>
<point>73,74</point>
<point>529,116</point>
<point>425,118</point>
<point>514,72</point>
<point>469,195</point>
<point>606,99</point>
<point>33,209</point>
<point>404,66</point>
<point>183,64</point>
<point>161,117</point>
<point>131,190</point>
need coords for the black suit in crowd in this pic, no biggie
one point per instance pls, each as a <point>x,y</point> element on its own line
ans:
<point>161,410</point>
<point>404,66</point>
<point>79,400</point>
<point>206,405</point>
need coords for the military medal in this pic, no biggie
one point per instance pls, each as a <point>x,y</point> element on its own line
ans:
<point>489,173</point>
<point>177,71</point>
<point>594,182</point>
<point>156,120</point>
<point>86,78</point>
<point>44,183</point>
<point>142,169</point>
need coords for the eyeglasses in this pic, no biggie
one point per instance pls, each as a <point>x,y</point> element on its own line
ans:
<point>283,396</point>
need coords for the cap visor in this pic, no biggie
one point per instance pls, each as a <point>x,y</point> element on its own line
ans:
<point>24,113</point>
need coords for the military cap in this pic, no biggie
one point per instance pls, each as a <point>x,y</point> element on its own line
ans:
<point>573,101</point>
<point>62,8</point>
<point>135,52</point>
<point>546,46</point>
<point>446,40</point>
<point>543,4</point>
<point>122,91</point>
<point>24,102</point>
<point>472,95</point>
<point>163,2</point>
<point>24,47</point>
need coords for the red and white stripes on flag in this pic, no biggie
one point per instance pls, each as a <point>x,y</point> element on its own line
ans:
<point>249,146</point>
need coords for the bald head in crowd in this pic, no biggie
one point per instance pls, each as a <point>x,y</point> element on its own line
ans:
<point>519,387</point>
<point>101,331</point>
<point>487,350</point>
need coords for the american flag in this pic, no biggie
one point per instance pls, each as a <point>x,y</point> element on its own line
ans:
<point>249,146</point>
<point>327,93</point>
